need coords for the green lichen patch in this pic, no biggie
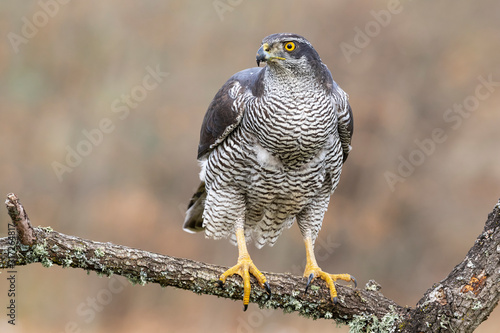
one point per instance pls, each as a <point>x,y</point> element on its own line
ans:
<point>371,323</point>
<point>477,306</point>
<point>46,229</point>
<point>80,257</point>
<point>66,262</point>
<point>99,252</point>
<point>141,279</point>
<point>40,250</point>
<point>314,288</point>
<point>39,253</point>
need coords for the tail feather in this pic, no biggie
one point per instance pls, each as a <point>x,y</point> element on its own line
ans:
<point>194,215</point>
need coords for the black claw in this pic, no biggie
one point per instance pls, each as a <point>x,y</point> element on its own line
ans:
<point>245,307</point>
<point>353,279</point>
<point>311,277</point>
<point>335,300</point>
<point>220,283</point>
<point>268,287</point>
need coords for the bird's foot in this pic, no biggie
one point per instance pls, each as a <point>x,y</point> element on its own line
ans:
<point>314,272</point>
<point>244,268</point>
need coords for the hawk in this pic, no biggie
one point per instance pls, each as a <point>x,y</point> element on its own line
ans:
<point>272,145</point>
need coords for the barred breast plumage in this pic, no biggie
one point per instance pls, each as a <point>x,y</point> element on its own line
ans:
<point>272,145</point>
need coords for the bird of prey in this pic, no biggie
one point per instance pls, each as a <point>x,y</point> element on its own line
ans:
<point>272,145</point>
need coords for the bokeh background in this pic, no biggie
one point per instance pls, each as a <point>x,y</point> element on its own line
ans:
<point>81,60</point>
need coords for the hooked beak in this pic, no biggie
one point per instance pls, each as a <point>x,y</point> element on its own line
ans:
<point>263,54</point>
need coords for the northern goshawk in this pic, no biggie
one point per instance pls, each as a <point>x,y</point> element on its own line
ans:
<point>272,145</point>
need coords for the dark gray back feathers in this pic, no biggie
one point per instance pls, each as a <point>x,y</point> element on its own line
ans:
<point>220,114</point>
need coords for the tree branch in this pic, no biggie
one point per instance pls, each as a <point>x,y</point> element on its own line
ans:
<point>20,219</point>
<point>459,303</point>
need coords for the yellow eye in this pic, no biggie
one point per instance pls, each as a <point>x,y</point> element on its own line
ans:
<point>290,46</point>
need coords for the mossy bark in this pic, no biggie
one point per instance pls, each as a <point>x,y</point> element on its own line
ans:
<point>459,303</point>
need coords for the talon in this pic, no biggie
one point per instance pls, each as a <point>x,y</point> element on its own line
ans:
<point>353,279</point>
<point>309,280</point>
<point>312,270</point>
<point>244,268</point>
<point>220,283</point>
<point>268,289</point>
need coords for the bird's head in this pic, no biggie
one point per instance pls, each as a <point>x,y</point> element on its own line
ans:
<point>286,50</point>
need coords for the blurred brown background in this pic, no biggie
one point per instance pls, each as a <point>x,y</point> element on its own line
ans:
<point>66,67</point>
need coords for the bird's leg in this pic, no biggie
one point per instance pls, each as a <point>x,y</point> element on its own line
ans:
<point>313,271</point>
<point>243,268</point>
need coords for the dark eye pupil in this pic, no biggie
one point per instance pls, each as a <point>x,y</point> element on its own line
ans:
<point>289,46</point>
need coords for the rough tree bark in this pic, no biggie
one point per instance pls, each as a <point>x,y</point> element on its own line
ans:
<point>459,303</point>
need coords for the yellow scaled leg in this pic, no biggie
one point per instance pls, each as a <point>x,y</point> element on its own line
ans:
<point>313,271</point>
<point>243,268</point>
